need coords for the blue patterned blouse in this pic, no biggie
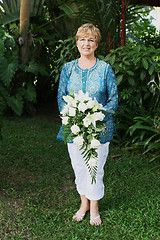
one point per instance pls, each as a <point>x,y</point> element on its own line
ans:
<point>99,81</point>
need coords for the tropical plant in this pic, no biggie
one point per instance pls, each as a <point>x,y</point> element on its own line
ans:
<point>2,106</point>
<point>112,17</point>
<point>66,51</point>
<point>135,67</point>
<point>15,91</point>
<point>146,132</point>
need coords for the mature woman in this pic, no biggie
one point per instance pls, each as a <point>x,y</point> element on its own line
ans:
<point>89,74</point>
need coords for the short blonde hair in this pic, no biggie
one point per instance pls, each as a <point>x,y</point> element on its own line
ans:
<point>87,29</point>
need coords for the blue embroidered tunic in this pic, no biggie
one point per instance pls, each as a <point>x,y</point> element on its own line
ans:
<point>99,81</point>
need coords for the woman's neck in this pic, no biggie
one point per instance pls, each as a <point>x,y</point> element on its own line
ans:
<point>86,62</point>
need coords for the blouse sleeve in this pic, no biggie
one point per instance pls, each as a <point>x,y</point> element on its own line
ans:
<point>62,88</point>
<point>112,91</point>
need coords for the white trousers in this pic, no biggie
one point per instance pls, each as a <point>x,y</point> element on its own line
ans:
<point>83,179</point>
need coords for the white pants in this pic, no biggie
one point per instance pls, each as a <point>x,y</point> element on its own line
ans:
<point>83,179</point>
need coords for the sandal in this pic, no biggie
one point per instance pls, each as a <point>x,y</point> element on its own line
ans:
<point>93,222</point>
<point>78,215</point>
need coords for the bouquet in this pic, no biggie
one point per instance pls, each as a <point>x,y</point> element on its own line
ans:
<point>82,120</point>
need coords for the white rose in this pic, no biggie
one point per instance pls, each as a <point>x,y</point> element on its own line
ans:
<point>68,99</point>
<point>95,143</point>
<point>78,140</point>
<point>72,111</point>
<point>75,129</point>
<point>82,107</point>
<point>93,162</point>
<point>65,120</point>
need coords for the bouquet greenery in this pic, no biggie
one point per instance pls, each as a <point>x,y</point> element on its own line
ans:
<point>82,120</point>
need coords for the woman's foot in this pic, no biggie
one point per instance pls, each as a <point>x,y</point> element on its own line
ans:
<point>79,216</point>
<point>96,221</point>
<point>83,209</point>
<point>94,213</point>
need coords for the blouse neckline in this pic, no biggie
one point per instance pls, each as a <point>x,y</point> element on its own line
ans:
<point>87,69</point>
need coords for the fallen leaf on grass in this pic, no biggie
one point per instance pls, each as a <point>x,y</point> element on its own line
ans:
<point>115,156</point>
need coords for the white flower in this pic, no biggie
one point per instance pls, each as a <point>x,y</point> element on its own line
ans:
<point>68,99</point>
<point>82,107</point>
<point>93,162</point>
<point>99,116</point>
<point>95,143</point>
<point>64,110</point>
<point>74,103</point>
<point>72,111</point>
<point>65,120</point>
<point>75,129</point>
<point>81,96</point>
<point>91,104</point>
<point>88,120</point>
<point>95,108</point>
<point>78,140</point>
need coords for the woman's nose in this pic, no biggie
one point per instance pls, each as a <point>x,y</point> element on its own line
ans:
<point>86,42</point>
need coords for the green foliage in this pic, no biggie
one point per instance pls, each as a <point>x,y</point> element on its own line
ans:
<point>146,32</point>
<point>2,106</point>
<point>13,88</point>
<point>135,68</point>
<point>66,51</point>
<point>8,68</point>
<point>146,132</point>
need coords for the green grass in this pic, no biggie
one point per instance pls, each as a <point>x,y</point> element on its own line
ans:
<point>38,195</point>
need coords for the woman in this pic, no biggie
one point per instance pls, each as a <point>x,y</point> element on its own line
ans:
<point>96,77</point>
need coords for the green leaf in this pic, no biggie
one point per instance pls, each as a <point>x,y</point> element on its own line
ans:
<point>2,48</point>
<point>112,59</point>
<point>119,79</point>
<point>30,93</point>
<point>142,75</point>
<point>9,18</point>
<point>16,103</point>
<point>8,69</point>
<point>130,73</point>
<point>32,67</point>
<point>151,69</point>
<point>131,81</point>
<point>145,63</point>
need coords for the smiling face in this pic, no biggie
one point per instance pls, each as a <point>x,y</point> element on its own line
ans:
<point>87,45</point>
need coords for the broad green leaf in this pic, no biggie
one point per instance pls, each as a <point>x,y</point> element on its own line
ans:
<point>9,18</point>
<point>16,103</point>
<point>142,75</point>
<point>145,63</point>
<point>112,60</point>
<point>151,69</point>
<point>30,93</point>
<point>7,70</point>
<point>131,81</point>
<point>130,73</point>
<point>119,79</point>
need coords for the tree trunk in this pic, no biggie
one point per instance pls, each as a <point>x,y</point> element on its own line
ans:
<point>24,28</point>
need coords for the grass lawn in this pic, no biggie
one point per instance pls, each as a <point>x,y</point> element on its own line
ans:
<point>38,195</point>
